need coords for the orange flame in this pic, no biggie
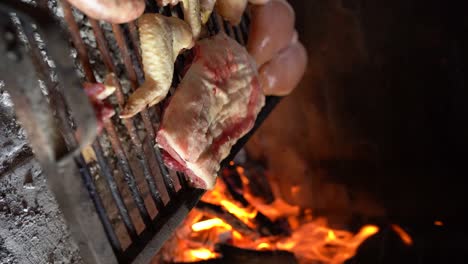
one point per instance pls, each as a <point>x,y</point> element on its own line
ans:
<point>201,254</point>
<point>263,245</point>
<point>241,213</point>
<point>311,239</point>
<point>210,223</point>
<point>438,223</point>
<point>404,236</point>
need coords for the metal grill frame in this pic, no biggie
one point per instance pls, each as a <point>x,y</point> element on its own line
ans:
<point>70,178</point>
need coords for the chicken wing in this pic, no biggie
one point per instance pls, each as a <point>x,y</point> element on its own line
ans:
<point>196,12</point>
<point>162,39</point>
<point>231,10</point>
<point>192,16</point>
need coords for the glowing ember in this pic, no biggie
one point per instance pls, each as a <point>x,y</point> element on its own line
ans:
<point>263,246</point>
<point>208,224</point>
<point>438,223</point>
<point>314,241</point>
<point>201,254</point>
<point>331,235</point>
<point>405,237</point>
<point>309,238</point>
<point>241,213</point>
<point>295,190</point>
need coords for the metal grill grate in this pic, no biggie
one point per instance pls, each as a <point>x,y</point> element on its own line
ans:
<point>127,203</point>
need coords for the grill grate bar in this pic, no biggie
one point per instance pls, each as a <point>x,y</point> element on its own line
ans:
<point>77,41</point>
<point>112,134</point>
<point>213,24</point>
<point>183,181</point>
<point>168,181</point>
<point>238,35</point>
<point>100,209</point>
<point>104,50</point>
<point>151,6</point>
<point>57,102</point>
<point>119,202</point>
<point>145,240</point>
<point>226,27</point>
<point>135,42</point>
<point>128,172</point>
<point>244,28</point>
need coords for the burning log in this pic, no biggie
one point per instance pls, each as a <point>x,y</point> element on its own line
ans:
<point>258,186</point>
<point>234,255</point>
<point>221,213</point>
<point>234,185</point>
<point>257,232</point>
<point>266,227</point>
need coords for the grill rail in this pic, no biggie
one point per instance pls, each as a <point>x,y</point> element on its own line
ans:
<point>134,203</point>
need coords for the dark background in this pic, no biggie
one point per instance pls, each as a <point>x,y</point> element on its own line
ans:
<point>379,123</point>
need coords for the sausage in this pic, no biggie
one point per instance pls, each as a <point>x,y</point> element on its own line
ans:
<point>113,11</point>
<point>282,74</point>
<point>258,2</point>
<point>271,30</point>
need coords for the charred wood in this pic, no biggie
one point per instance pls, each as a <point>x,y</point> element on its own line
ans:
<point>221,213</point>
<point>260,187</point>
<point>234,255</point>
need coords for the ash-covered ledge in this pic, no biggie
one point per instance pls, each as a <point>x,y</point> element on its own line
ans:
<point>32,228</point>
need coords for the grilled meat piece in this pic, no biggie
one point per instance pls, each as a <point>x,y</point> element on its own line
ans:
<point>216,103</point>
<point>162,39</point>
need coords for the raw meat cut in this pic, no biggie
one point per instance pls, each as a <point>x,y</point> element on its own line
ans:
<point>216,103</point>
<point>97,93</point>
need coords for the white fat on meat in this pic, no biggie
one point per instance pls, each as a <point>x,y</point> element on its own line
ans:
<point>215,104</point>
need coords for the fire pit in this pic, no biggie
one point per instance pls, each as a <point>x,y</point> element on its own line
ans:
<point>242,216</point>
